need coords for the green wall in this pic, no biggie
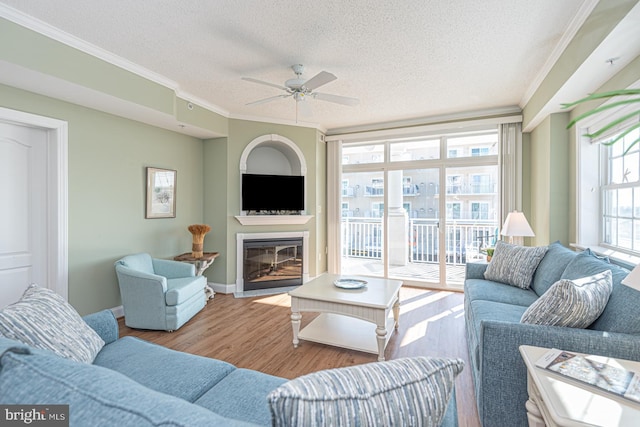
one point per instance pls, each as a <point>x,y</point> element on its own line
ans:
<point>222,167</point>
<point>107,160</point>
<point>549,183</point>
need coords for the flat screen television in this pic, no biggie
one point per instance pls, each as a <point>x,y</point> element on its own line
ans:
<point>272,192</point>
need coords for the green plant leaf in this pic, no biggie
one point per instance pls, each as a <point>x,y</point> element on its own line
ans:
<point>612,124</point>
<point>594,96</point>
<point>601,109</point>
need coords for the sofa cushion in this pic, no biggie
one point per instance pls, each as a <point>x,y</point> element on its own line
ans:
<point>180,290</point>
<point>96,396</point>
<point>168,371</point>
<point>571,303</point>
<point>513,264</point>
<point>488,310</point>
<point>551,267</point>
<point>43,319</point>
<point>410,391</point>
<point>242,395</point>
<point>620,314</point>
<point>478,289</point>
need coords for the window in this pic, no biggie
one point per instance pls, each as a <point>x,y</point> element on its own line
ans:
<point>453,210</point>
<point>454,184</point>
<point>377,210</point>
<point>481,184</point>
<point>479,210</point>
<point>345,209</point>
<point>484,151</point>
<point>346,190</point>
<point>620,191</point>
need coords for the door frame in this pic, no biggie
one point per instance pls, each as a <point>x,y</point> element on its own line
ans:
<point>58,190</point>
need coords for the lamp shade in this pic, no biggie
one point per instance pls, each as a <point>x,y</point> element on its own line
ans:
<point>633,279</point>
<point>516,225</point>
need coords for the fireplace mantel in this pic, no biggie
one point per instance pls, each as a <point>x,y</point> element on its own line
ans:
<point>273,219</point>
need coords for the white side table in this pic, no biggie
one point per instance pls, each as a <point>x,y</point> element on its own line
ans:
<point>557,401</point>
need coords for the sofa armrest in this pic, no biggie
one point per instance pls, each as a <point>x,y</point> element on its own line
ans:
<point>503,374</point>
<point>173,269</point>
<point>475,270</point>
<point>105,324</point>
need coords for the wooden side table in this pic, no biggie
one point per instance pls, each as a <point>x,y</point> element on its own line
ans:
<point>201,264</point>
<point>557,401</point>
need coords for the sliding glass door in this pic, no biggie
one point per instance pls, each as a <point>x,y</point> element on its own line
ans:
<point>418,209</point>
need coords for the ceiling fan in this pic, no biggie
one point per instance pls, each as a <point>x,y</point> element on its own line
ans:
<point>301,89</point>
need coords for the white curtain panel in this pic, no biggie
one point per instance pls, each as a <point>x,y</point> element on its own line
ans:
<point>510,141</point>
<point>334,197</point>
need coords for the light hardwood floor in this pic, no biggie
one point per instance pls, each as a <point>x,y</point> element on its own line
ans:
<point>255,333</point>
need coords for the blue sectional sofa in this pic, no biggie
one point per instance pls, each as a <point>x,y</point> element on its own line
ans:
<point>136,383</point>
<point>494,332</point>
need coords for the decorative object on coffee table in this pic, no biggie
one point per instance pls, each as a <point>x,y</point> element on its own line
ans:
<point>198,231</point>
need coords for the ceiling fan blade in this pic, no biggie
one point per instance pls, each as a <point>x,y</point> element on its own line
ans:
<point>322,78</point>
<point>262,82</point>
<point>265,100</point>
<point>344,100</point>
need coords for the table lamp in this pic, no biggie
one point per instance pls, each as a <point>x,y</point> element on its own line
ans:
<point>516,228</point>
<point>633,279</point>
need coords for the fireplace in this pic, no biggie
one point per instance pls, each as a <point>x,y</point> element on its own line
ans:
<point>272,263</point>
<point>271,260</point>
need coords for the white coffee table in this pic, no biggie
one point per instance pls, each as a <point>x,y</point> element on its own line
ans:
<point>347,315</point>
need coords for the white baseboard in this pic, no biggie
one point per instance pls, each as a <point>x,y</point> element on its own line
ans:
<point>222,288</point>
<point>118,311</point>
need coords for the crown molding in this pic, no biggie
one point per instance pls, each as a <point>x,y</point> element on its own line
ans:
<point>272,120</point>
<point>576,23</point>
<point>47,30</point>
<point>417,123</point>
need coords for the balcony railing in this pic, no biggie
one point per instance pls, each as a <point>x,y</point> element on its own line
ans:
<point>362,238</point>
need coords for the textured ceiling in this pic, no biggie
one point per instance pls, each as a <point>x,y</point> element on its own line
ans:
<point>403,60</point>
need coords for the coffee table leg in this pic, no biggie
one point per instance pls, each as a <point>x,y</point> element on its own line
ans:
<point>396,313</point>
<point>381,332</point>
<point>295,324</point>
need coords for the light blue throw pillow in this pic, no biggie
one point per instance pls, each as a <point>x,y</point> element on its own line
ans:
<point>43,319</point>
<point>571,303</point>
<point>514,264</point>
<point>551,267</point>
<point>402,392</point>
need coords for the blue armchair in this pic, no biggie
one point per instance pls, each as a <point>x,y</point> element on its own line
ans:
<point>158,294</point>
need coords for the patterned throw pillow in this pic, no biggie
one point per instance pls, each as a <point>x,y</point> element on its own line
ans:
<point>513,264</point>
<point>571,303</point>
<point>43,319</point>
<point>411,391</point>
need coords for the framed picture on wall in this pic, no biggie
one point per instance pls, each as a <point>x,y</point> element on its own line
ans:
<point>161,193</point>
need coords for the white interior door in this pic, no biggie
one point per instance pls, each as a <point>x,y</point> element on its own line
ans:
<point>23,212</point>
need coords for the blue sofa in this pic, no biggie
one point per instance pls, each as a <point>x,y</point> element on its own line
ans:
<point>494,332</point>
<point>136,383</point>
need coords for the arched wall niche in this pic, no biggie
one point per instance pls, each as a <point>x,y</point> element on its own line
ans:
<point>272,154</point>
<point>277,155</point>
